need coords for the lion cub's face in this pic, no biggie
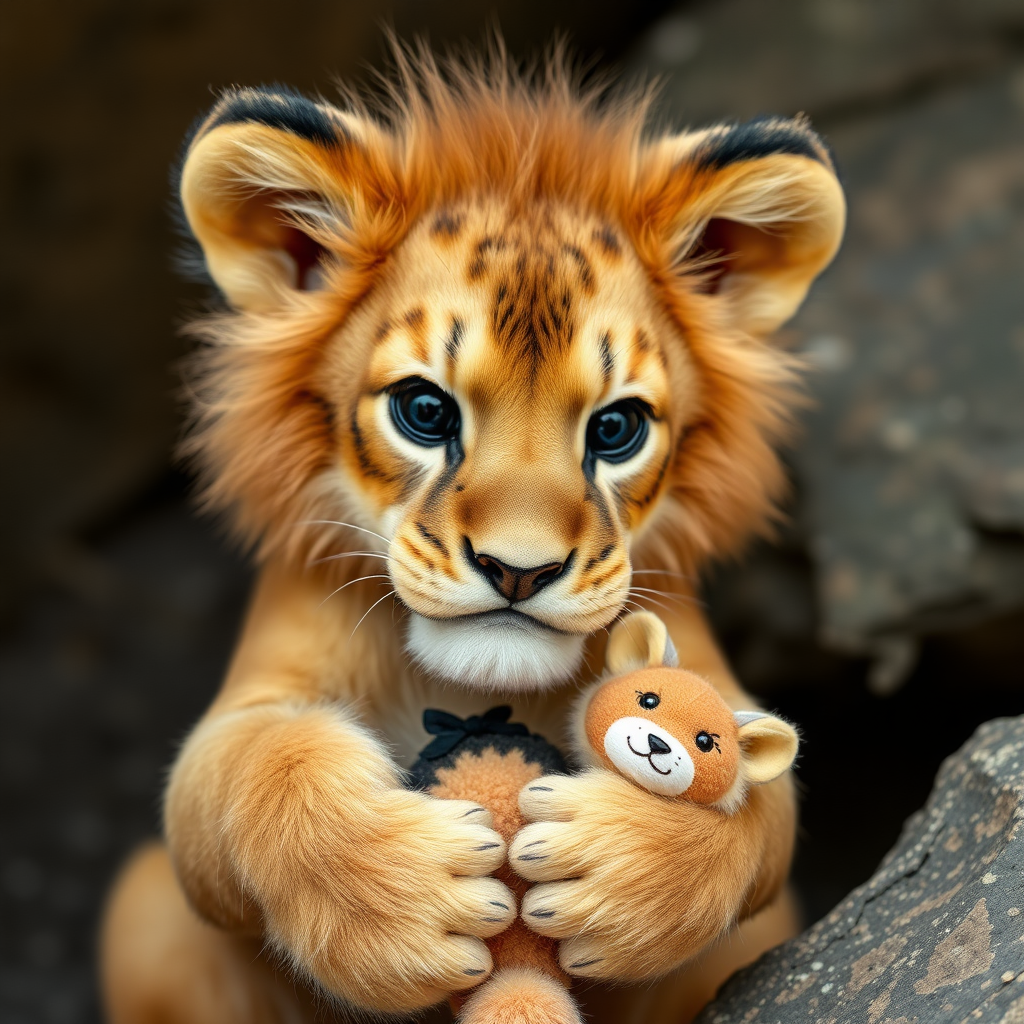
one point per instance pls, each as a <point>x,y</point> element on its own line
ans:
<point>508,330</point>
<point>508,400</point>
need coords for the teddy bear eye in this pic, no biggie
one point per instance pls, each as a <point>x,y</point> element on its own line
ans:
<point>648,701</point>
<point>705,742</point>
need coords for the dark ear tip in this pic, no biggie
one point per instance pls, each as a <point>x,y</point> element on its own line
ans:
<point>761,137</point>
<point>275,106</point>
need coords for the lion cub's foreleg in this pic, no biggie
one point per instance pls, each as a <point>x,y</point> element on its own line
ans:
<point>288,820</point>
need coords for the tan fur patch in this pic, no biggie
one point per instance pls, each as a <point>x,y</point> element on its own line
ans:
<point>494,780</point>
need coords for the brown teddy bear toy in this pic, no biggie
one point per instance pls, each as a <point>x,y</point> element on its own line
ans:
<point>663,728</point>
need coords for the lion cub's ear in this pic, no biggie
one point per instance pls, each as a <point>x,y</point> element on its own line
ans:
<point>268,181</point>
<point>639,640</point>
<point>769,745</point>
<point>755,211</point>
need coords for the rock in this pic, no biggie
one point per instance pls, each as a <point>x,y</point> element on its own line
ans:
<point>739,58</point>
<point>913,462</point>
<point>937,934</point>
<point>911,466</point>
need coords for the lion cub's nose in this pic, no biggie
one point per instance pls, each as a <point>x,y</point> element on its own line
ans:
<point>658,745</point>
<point>512,581</point>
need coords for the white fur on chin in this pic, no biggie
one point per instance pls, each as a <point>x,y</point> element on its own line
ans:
<point>503,653</point>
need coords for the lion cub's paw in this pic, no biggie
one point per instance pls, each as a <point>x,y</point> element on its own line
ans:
<point>400,918</point>
<point>631,883</point>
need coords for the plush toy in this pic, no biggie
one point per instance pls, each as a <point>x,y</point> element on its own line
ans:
<point>669,730</point>
<point>489,760</point>
<point>663,728</point>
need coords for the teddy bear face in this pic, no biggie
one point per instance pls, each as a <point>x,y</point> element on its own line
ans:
<point>667,730</point>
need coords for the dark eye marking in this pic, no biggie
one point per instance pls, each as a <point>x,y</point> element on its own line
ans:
<point>648,701</point>
<point>607,359</point>
<point>454,341</point>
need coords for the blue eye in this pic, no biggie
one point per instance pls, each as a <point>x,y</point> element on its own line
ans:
<point>424,413</point>
<point>617,432</point>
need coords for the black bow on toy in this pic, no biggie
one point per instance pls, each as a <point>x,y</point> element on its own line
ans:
<point>451,730</point>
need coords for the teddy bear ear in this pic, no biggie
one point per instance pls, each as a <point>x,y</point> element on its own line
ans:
<point>639,640</point>
<point>769,745</point>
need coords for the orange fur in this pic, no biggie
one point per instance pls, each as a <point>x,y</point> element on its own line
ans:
<point>529,251</point>
<point>689,704</point>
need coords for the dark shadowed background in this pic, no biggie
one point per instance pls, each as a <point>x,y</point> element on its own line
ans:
<point>889,619</point>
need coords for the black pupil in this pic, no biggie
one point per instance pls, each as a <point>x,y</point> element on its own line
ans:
<point>649,701</point>
<point>426,411</point>
<point>615,428</point>
<point>425,414</point>
<point>617,433</point>
<point>704,742</point>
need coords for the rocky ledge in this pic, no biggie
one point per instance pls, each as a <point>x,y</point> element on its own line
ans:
<point>936,935</point>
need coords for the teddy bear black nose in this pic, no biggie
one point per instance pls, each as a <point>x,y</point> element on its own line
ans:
<point>658,745</point>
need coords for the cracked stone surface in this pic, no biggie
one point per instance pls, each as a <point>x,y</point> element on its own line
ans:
<point>937,934</point>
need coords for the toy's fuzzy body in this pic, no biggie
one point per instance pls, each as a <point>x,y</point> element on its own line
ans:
<point>491,767</point>
<point>533,263</point>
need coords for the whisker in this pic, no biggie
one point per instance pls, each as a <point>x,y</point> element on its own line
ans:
<point>683,598</point>
<point>390,593</point>
<point>659,604</point>
<point>361,554</point>
<point>662,572</point>
<point>377,576</point>
<point>349,554</point>
<point>336,522</point>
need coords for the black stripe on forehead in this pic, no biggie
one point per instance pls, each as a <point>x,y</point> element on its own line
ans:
<point>447,224</point>
<point>581,260</point>
<point>592,493</point>
<point>533,312</point>
<point>453,458</point>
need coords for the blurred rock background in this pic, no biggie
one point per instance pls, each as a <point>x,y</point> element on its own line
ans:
<point>889,618</point>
